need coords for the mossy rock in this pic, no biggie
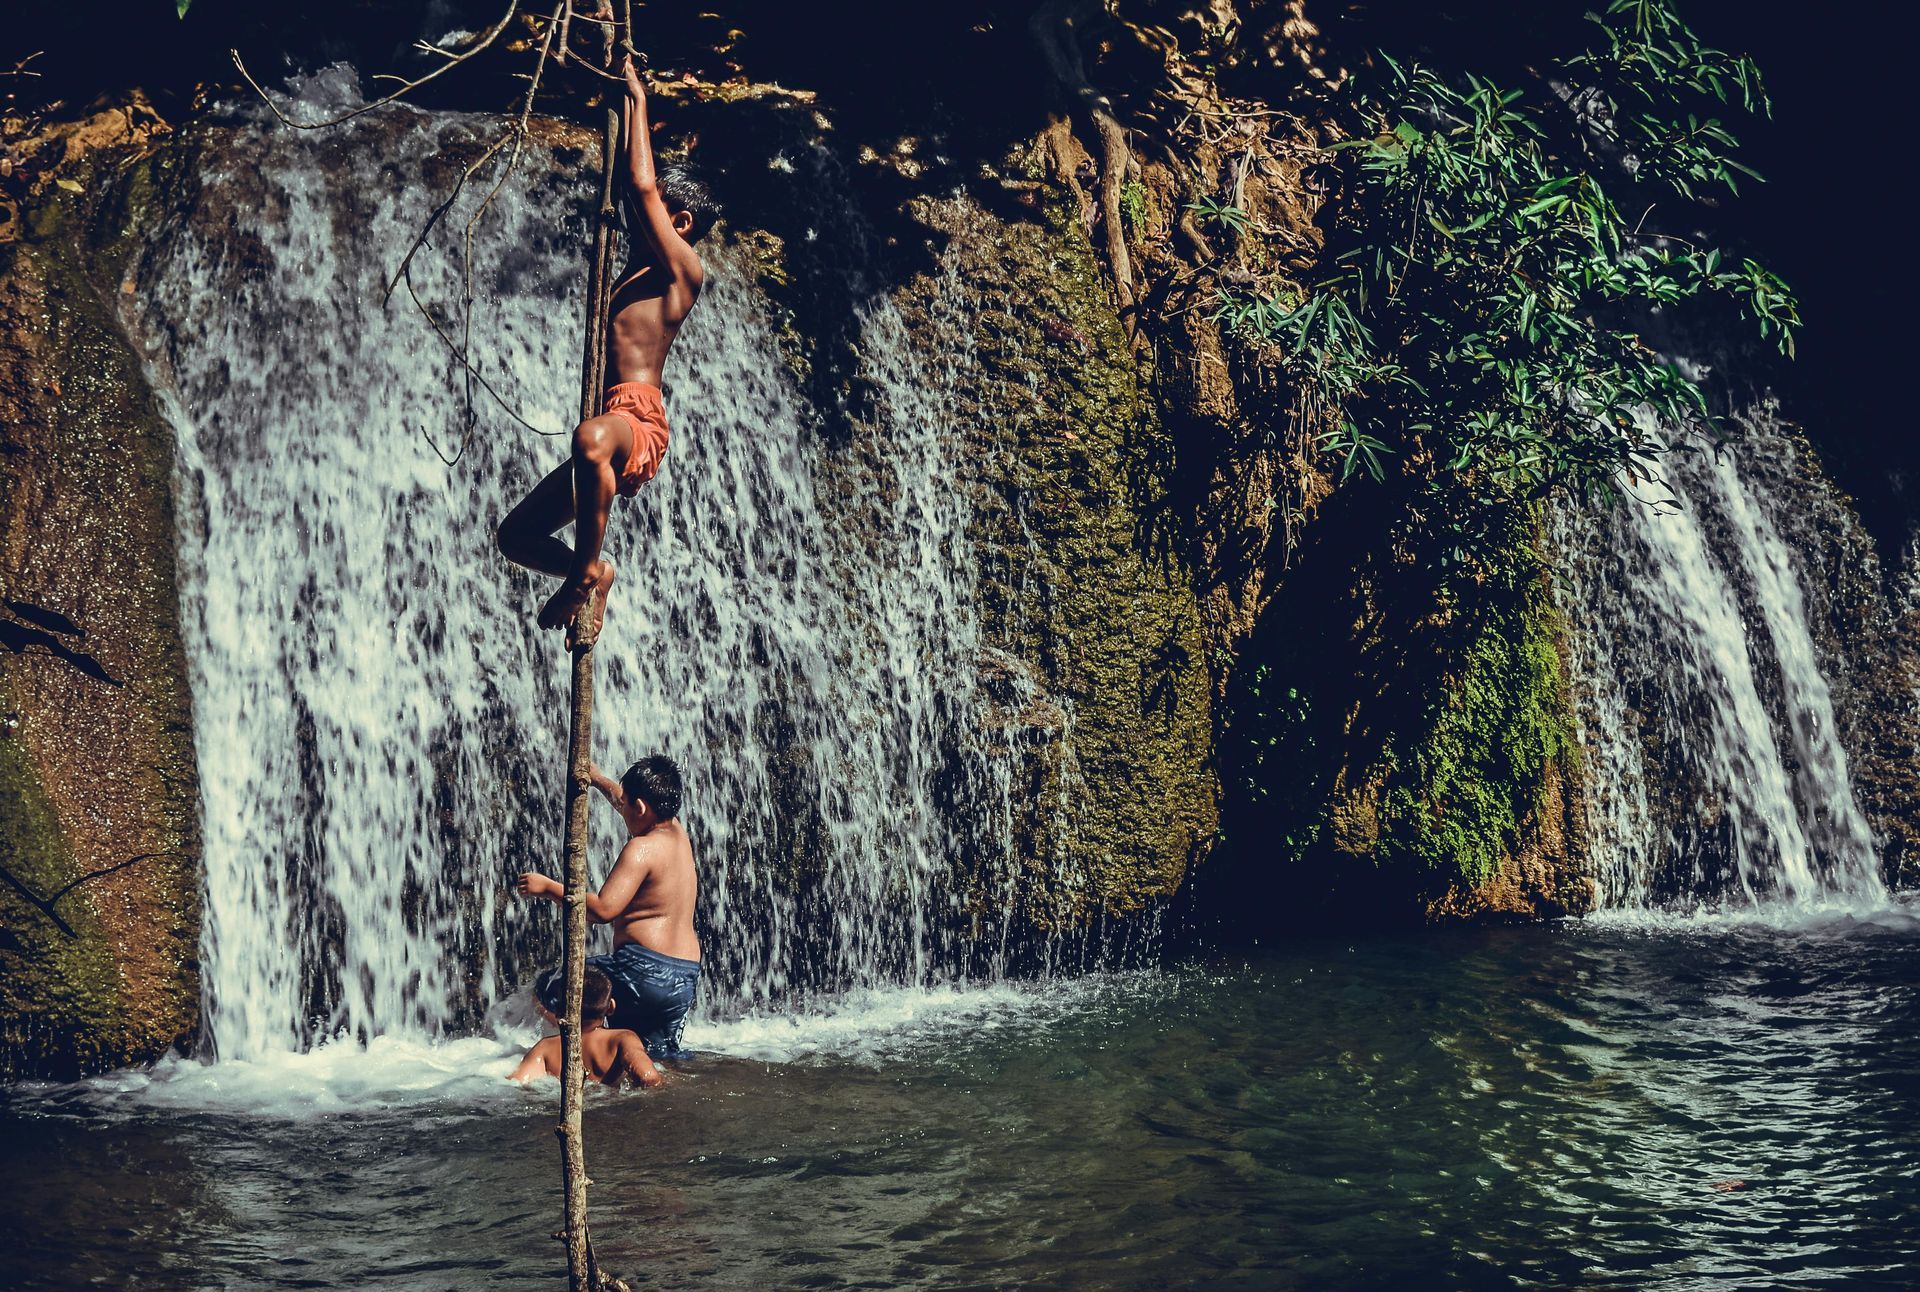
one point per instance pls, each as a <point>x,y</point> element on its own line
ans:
<point>1090,605</point>
<point>97,767</point>
<point>1404,735</point>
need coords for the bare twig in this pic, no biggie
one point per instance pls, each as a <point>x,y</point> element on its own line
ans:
<point>515,134</point>
<point>459,185</point>
<point>1057,25</point>
<point>583,1268</point>
<point>518,134</point>
<point>583,65</point>
<point>487,38</point>
<point>425,47</point>
<point>464,363</point>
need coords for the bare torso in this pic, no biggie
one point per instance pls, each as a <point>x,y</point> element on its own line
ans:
<point>643,318</point>
<point>660,915</point>
<point>614,1058</point>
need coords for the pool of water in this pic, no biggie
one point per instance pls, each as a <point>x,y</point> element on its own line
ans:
<point>1709,1103</point>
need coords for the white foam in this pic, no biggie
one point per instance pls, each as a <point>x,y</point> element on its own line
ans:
<point>467,1075</point>
<point>1839,916</point>
<point>871,1024</point>
<point>339,1077</point>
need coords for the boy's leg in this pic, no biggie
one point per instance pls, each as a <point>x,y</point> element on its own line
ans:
<point>595,442</point>
<point>526,535</point>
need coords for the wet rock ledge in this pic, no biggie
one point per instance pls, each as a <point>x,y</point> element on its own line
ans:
<point>99,816</point>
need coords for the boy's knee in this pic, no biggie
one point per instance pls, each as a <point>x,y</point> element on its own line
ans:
<point>593,440</point>
<point>503,535</point>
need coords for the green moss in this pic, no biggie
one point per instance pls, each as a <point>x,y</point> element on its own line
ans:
<point>1095,602</point>
<point>1402,737</point>
<point>1462,792</point>
<point>1134,204</point>
<point>59,999</point>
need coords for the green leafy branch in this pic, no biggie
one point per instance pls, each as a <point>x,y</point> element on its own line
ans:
<point>1479,317</point>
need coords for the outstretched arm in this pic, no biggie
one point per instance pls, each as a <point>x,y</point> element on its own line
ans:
<point>534,1065</point>
<point>609,788</point>
<point>634,1064</point>
<point>611,902</point>
<point>656,222</point>
<point>534,884</point>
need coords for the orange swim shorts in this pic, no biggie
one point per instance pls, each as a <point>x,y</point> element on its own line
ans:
<point>640,404</point>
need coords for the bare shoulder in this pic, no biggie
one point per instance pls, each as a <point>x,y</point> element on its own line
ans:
<point>638,850</point>
<point>634,1065</point>
<point>688,269</point>
<point>673,840</point>
<point>543,1060</point>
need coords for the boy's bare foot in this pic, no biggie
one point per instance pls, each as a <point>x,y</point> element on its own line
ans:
<point>565,603</point>
<point>603,582</point>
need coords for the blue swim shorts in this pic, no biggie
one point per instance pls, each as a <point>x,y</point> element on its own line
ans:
<point>651,994</point>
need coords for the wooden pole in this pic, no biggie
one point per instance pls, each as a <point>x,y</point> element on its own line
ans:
<point>583,1274</point>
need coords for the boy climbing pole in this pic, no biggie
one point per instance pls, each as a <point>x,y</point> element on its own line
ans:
<point>619,450</point>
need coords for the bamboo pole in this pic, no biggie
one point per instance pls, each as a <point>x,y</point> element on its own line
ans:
<point>583,1274</point>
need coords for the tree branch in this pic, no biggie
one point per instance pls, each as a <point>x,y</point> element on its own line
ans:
<point>1055,26</point>
<point>453,60</point>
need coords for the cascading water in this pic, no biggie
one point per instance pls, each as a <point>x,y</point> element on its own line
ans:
<point>1716,767</point>
<point>379,722</point>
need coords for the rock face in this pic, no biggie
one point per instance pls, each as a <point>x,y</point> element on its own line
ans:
<point>1097,673</point>
<point>1417,759</point>
<point>98,795</point>
<point>1862,630</point>
<point>1097,710</point>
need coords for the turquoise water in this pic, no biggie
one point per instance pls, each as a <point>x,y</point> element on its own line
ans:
<point>1556,1106</point>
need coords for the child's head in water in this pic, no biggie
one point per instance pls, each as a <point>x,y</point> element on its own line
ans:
<point>596,995</point>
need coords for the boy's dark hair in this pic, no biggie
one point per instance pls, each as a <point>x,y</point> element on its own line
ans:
<point>682,189</point>
<point>655,781</point>
<point>596,996</point>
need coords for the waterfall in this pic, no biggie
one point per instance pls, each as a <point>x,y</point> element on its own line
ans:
<point>1716,768</point>
<point>381,726</point>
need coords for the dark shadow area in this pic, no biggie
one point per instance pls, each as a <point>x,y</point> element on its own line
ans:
<point>25,639</point>
<point>51,620</point>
